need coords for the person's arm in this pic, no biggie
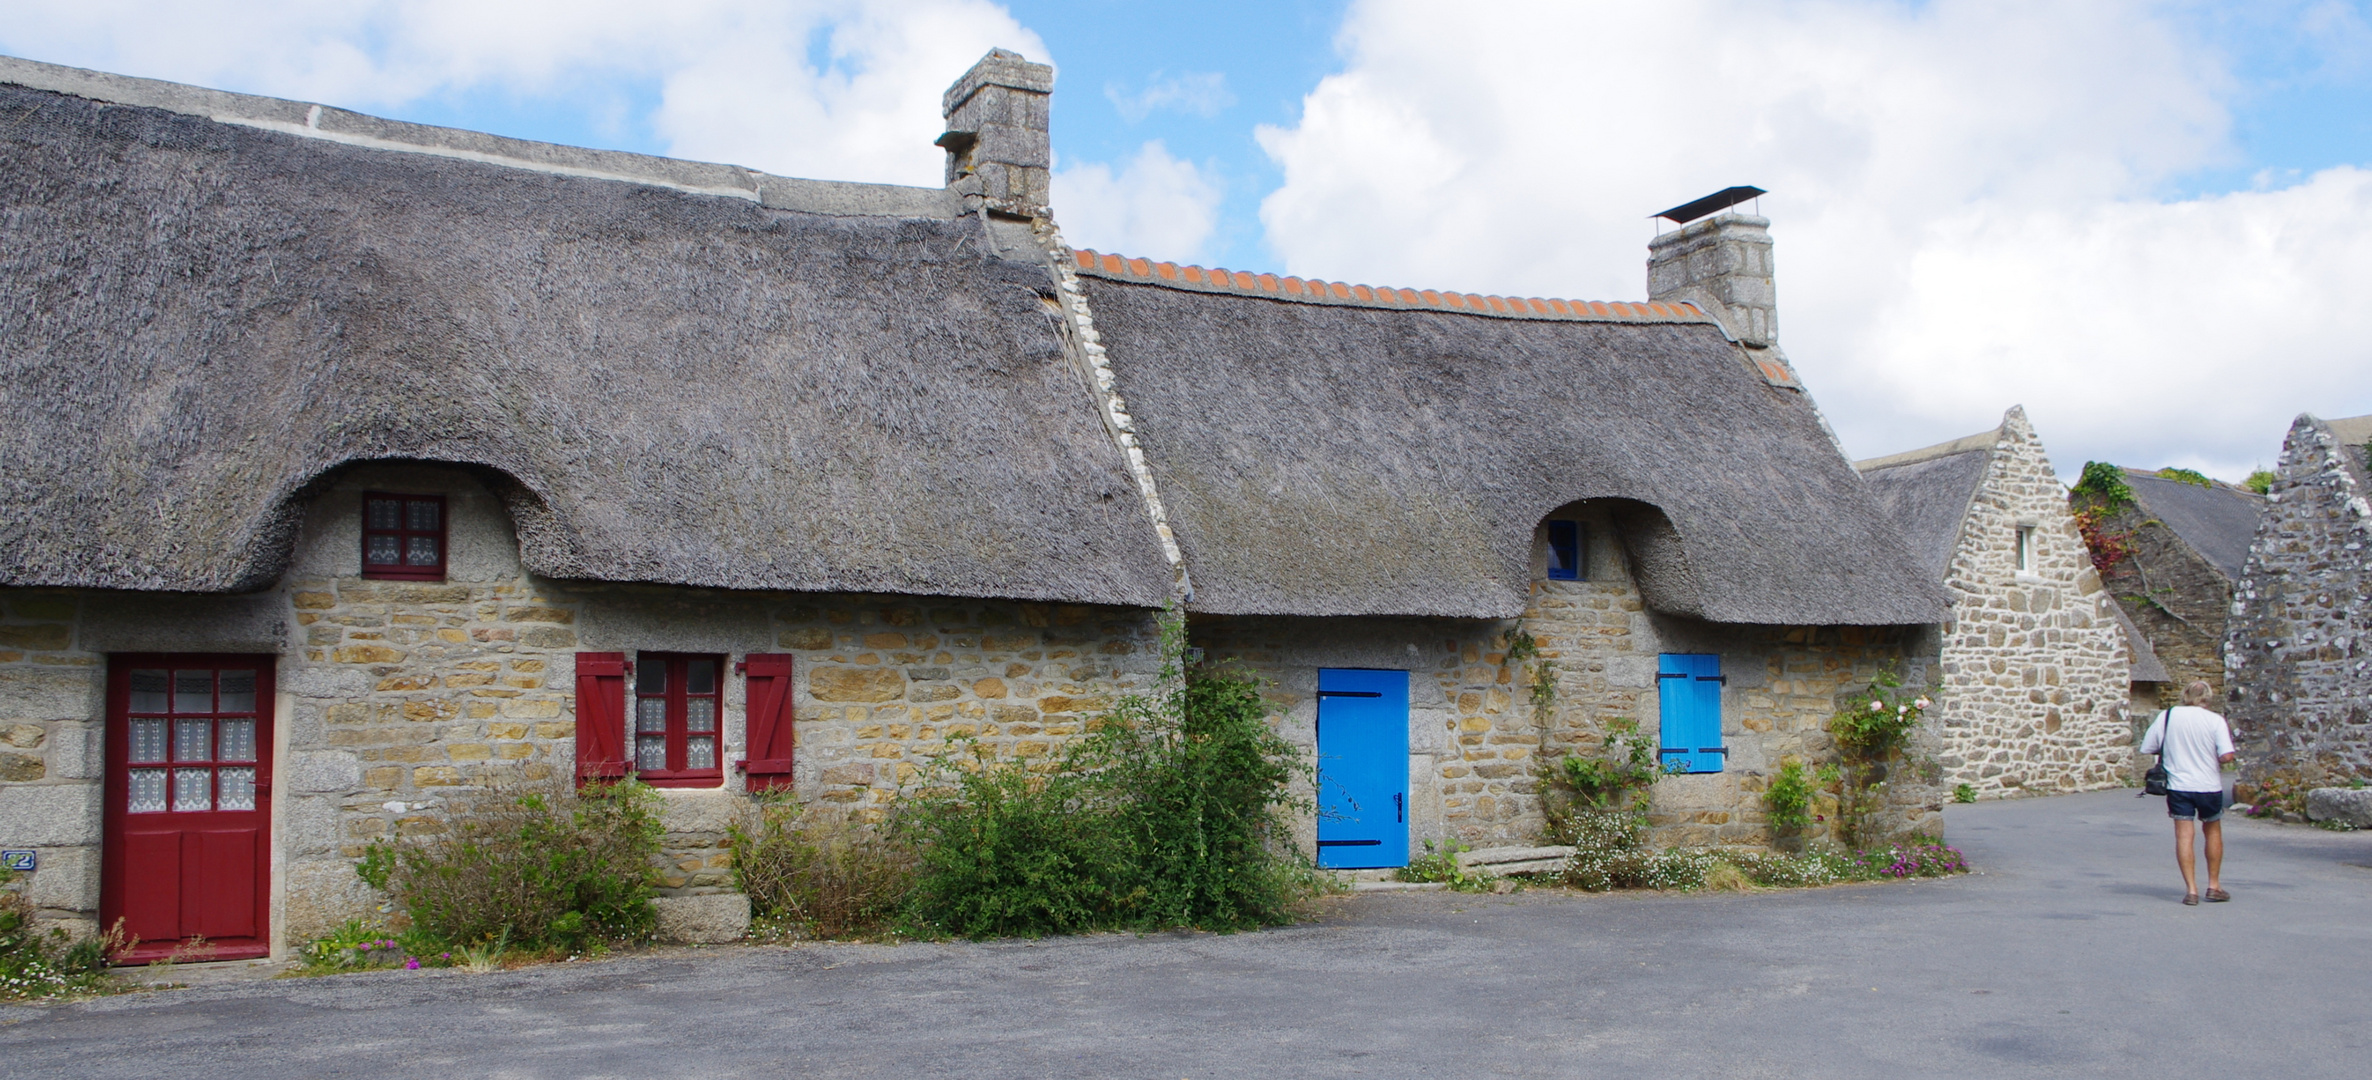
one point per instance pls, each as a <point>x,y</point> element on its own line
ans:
<point>2153,738</point>
<point>2224,748</point>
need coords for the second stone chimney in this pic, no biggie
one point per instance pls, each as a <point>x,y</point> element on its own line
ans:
<point>1722,264</point>
<point>998,154</point>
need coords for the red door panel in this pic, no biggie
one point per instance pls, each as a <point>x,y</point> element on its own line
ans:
<point>222,879</point>
<point>188,803</point>
<point>152,905</point>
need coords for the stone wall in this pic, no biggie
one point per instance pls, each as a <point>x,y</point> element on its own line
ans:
<point>402,700</point>
<point>1476,740</point>
<point>2176,598</point>
<point>2035,669</point>
<point>2300,687</point>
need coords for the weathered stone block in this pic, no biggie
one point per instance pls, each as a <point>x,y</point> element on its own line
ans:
<point>65,878</point>
<point>50,815</point>
<point>855,683</point>
<point>323,771</point>
<point>2351,805</point>
<point>709,919</point>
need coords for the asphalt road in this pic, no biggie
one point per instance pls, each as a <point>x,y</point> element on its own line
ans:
<point>2068,955</point>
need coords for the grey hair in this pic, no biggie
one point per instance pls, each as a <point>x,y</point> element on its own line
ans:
<point>2197,692</point>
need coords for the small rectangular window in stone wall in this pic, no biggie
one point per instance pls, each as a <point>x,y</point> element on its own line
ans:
<point>403,537</point>
<point>678,713</point>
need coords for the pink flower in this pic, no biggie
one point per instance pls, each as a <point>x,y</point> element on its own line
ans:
<point>411,963</point>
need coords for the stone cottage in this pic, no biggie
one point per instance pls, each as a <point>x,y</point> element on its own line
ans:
<point>361,467</point>
<point>2037,665</point>
<point>1374,479</point>
<point>2299,682</point>
<point>2170,556</point>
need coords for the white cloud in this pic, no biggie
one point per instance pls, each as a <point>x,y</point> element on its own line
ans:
<point>1965,205</point>
<point>1201,94</point>
<point>739,80</point>
<point>1157,206</point>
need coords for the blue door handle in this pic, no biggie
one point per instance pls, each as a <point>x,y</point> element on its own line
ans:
<point>1398,817</point>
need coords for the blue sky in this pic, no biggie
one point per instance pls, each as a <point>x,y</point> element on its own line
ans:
<point>2148,221</point>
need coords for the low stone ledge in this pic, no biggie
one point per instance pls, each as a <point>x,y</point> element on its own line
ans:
<point>2351,805</point>
<point>710,919</point>
<point>1516,860</point>
<point>1399,886</point>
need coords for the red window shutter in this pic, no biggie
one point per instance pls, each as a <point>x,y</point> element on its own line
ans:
<point>601,716</point>
<point>769,685</point>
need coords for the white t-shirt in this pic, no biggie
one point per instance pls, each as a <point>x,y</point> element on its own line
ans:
<point>2200,738</point>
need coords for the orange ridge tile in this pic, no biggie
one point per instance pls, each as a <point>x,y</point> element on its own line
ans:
<point>1473,303</point>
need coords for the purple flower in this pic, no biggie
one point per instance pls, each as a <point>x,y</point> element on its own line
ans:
<point>411,963</point>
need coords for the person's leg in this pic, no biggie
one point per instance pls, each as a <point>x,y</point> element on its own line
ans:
<point>2214,831</point>
<point>2182,855</point>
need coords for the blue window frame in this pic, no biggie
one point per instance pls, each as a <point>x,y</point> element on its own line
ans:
<point>1564,551</point>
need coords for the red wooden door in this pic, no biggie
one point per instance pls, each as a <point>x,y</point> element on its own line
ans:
<point>188,845</point>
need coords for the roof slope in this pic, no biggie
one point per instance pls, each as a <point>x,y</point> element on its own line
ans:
<point>1329,458</point>
<point>1926,493</point>
<point>2218,521</point>
<point>198,319</point>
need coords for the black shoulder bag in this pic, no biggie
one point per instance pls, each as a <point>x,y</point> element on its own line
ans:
<point>2153,782</point>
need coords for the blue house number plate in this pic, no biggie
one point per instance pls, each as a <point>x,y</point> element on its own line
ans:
<point>16,860</point>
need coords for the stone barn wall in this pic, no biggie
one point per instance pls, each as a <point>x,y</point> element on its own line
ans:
<point>2035,668</point>
<point>399,701</point>
<point>2299,692</point>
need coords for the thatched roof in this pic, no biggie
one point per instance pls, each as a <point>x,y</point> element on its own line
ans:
<point>1323,455</point>
<point>1926,493</point>
<point>677,372</point>
<point>2218,520</point>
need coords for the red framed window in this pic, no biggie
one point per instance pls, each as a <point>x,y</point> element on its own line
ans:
<point>403,536</point>
<point>679,707</point>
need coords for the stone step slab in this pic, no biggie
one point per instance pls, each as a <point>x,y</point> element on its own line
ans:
<point>2351,805</point>
<point>1515,860</point>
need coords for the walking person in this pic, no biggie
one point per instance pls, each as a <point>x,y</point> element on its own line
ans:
<point>2194,744</point>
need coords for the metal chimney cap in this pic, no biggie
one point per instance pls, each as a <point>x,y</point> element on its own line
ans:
<point>1718,201</point>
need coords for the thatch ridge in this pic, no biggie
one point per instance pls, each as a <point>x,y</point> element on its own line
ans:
<point>309,120</point>
<point>200,320</point>
<point>1321,459</point>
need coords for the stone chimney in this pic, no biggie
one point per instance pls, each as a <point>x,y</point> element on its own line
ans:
<point>998,155</point>
<point>1722,264</point>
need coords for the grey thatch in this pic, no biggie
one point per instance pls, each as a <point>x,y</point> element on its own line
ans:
<point>1926,493</point>
<point>1330,459</point>
<point>2218,520</point>
<point>200,321</point>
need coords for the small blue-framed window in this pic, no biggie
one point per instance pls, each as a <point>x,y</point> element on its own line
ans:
<point>1564,551</point>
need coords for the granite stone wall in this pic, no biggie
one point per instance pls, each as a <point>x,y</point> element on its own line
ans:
<point>403,702</point>
<point>2035,670</point>
<point>1477,741</point>
<point>2299,691</point>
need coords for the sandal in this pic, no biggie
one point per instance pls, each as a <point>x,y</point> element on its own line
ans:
<point>2190,899</point>
<point>2217,896</point>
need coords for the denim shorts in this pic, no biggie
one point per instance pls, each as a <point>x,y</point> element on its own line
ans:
<point>2195,805</point>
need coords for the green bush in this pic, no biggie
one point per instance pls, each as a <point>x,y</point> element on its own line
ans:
<point>1440,865</point>
<point>1619,780</point>
<point>2186,476</point>
<point>2261,481</point>
<point>1788,801</point>
<point>548,869</point>
<point>1169,814</point>
<point>828,875</point>
<point>2103,484</point>
<point>37,963</point>
<point>1964,793</point>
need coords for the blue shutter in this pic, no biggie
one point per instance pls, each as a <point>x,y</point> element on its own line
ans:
<point>1688,691</point>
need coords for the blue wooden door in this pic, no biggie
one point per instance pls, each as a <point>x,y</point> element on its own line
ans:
<point>1362,768</point>
<point>1688,688</point>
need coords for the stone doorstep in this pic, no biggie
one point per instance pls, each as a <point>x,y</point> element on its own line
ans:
<point>1514,860</point>
<point>209,973</point>
<point>1399,886</point>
